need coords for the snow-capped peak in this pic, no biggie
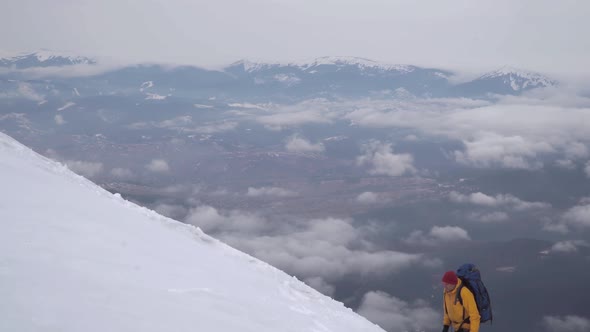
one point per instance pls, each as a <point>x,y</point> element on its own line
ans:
<point>353,61</point>
<point>509,70</point>
<point>43,58</point>
<point>306,65</point>
<point>519,79</point>
<point>253,66</point>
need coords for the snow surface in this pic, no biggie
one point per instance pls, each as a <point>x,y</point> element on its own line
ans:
<point>75,257</point>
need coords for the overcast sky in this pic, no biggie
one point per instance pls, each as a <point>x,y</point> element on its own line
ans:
<point>544,35</point>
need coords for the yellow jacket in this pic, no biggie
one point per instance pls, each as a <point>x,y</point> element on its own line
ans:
<point>455,313</point>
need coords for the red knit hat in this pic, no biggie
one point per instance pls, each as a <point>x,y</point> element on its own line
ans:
<point>450,278</point>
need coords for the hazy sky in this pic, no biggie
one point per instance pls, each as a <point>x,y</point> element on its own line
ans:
<point>545,35</point>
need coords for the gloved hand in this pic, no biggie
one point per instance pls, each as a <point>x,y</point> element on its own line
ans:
<point>445,328</point>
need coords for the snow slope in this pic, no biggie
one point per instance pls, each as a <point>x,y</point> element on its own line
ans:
<point>74,257</point>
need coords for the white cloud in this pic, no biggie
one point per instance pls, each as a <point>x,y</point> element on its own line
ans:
<point>490,150</point>
<point>26,90</point>
<point>298,144</point>
<point>270,191</point>
<point>449,233</point>
<point>320,285</point>
<point>158,166</point>
<point>85,168</point>
<point>575,217</point>
<point>517,132</point>
<point>122,173</point>
<point>568,246</point>
<point>568,323</point>
<point>565,164</point>
<point>288,119</point>
<point>438,235</point>
<point>173,211</point>
<point>380,157</point>
<point>550,225</point>
<point>507,200</point>
<point>368,198</point>
<point>576,150</point>
<point>587,169</point>
<point>213,128</point>
<point>578,216</point>
<point>393,314</point>
<point>327,248</point>
<point>209,219</point>
<point>59,119</point>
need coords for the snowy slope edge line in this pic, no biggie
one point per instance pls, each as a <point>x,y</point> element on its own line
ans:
<point>75,257</point>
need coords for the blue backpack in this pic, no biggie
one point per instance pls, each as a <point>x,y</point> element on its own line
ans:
<point>471,278</point>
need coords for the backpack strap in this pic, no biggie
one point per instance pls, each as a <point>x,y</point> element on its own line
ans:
<point>458,296</point>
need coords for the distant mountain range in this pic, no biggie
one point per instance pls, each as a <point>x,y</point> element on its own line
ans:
<point>327,77</point>
<point>43,59</point>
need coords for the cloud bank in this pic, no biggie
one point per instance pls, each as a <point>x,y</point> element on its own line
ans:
<point>393,314</point>
<point>382,161</point>
<point>299,144</point>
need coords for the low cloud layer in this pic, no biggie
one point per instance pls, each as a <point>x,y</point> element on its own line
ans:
<point>59,119</point>
<point>515,132</point>
<point>568,246</point>
<point>213,221</point>
<point>382,161</point>
<point>306,112</point>
<point>299,144</point>
<point>318,250</point>
<point>568,323</point>
<point>270,192</point>
<point>492,217</point>
<point>393,314</point>
<point>541,127</point>
<point>27,91</point>
<point>489,150</point>
<point>501,200</point>
<point>158,166</point>
<point>438,235</point>
<point>85,168</point>
<point>578,216</point>
<point>187,124</point>
<point>368,198</point>
<point>122,173</point>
